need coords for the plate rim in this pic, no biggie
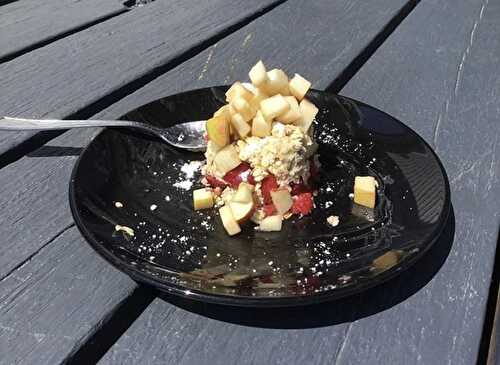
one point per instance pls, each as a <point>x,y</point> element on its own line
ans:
<point>248,301</point>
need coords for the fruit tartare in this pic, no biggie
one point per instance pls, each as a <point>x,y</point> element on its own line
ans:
<point>261,160</point>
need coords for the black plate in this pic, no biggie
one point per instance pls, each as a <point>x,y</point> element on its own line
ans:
<point>188,253</point>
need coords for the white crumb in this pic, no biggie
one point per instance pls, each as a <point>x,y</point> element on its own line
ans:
<point>118,204</point>
<point>125,229</point>
<point>153,207</point>
<point>333,220</point>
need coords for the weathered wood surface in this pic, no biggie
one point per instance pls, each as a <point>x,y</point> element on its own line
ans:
<point>33,221</point>
<point>436,73</point>
<point>447,90</point>
<point>66,76</point>
<point>60,288</point>
<point>26,23</point>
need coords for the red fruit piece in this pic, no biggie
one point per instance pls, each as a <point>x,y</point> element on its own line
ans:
<point>268,184</point>
<point>215,183</point>
<point>240,173</point>
<point>269,209</point>
<point>302,204</point>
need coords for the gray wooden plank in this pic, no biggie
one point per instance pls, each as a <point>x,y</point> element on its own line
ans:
<point>447,90</point>
<point>66,76</point>
<point>435,72</point>
<point>47,177</point>
<point>25,23</point>
<point>57,287</point>
<point>327,37</point>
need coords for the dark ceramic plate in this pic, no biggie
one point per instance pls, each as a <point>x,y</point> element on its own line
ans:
<point>188,253</point>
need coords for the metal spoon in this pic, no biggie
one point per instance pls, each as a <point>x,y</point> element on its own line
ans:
<point>188,136</point>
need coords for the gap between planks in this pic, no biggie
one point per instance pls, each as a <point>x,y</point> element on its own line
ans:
<point>10,56</point>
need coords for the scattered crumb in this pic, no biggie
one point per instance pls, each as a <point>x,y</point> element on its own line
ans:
<point>333,220</point>
<point>153,207</point>
<point>118,204</point>
<point>125,229</point>
<point>167,198</point>
<point>351,195</point>
<point>186,184</point>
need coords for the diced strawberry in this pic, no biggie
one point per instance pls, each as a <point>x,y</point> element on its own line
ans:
<point>300,188</point>
<point>302,204</point>
<point>268,184</point>
<point>269,209</point>
<point>214,182</point>
<point>240,173</point>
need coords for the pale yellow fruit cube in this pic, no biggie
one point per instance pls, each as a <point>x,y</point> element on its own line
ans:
<point>308,111</point>
<point>282,200</point>
<point>261,127</point>
<point>271,223</point>
<point>232,227</point>
<point>277,82</point>
<point>240,125</point>
<point>258,74</point>
<point>242,107</point>
<point>244,194</point>
<point>299,86</point>
<point>203,199</point>
<point>223,111</point>
<point>259,95</point>
<point>238,90</point>
<point>226,159</point>
<point>274,106</point>
<point>365,191</point>
<point>293,115</point>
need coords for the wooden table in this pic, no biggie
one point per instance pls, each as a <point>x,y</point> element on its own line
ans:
<point>432,64</point>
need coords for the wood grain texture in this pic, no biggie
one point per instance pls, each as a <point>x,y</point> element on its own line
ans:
<point>327,36</point>
<point>440,79</point>
<point>27,22</point>
<point>34,188</point>
<point>68,75</point>
<point>48,307</point>
<point>434,72</point>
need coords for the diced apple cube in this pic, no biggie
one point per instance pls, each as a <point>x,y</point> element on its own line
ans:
<point>218,130</point>
<point>271,223</point>
<point>258,74</point>
<point>365,191</point>
<point>260,126</point>
<point>226,159</point>
<point>242,107</point>
<point>293,115</point>
<point>244,194</point>
<point>230,224</point>
<point>282,200</point>
<point>203,199</point>
<point>274,106</point>
<point>259,95</point>
<point>299,86</point>
<point>240,125</point>
<point>238,90</point>
<point>277,82</point>
<point>223,111</point>
<point>242,211</point>
<point>308,111</point>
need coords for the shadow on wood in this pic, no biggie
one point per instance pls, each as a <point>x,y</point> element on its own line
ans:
<point>349,309</point>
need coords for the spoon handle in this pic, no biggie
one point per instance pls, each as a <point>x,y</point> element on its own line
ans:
<point>22,124</point>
